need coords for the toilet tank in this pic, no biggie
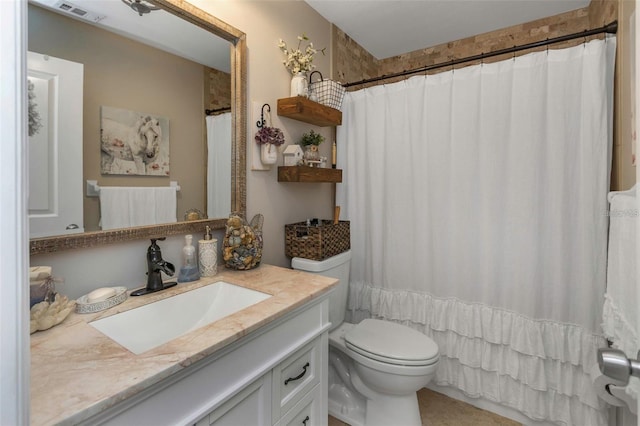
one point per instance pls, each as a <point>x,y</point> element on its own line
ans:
<point>334,267</point>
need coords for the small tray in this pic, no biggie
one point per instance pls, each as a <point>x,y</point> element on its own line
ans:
<point>84,307</point>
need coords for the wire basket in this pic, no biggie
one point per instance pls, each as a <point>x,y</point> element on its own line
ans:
<point>326,92</point>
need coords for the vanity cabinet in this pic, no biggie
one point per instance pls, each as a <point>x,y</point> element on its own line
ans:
<point>248,407</point>
<point>276,375</point>
<point>292,389</point>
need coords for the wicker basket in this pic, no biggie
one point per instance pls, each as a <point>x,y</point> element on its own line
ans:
<point>317,242</point>
<point>326,92</point>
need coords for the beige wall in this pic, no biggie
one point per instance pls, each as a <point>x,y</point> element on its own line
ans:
<point>129,75</point>
<point>265,22</point>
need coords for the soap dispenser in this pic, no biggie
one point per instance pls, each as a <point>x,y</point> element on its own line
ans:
<point>208,255</point>
<point>189,270</point>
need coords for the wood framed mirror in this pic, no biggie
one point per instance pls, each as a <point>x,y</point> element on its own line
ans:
<point>237,40</point>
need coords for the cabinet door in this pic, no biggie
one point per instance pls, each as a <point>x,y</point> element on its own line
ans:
<point>251,406</point>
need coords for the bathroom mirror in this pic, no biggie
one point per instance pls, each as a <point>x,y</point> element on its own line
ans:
<point>236,39</point>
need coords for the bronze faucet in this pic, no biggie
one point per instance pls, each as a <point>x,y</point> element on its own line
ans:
<point>155,266</point>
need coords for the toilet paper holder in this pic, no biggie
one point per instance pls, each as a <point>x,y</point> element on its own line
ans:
<point>614,364</point>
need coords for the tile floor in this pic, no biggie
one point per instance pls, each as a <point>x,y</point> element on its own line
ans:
<point>437,409</point>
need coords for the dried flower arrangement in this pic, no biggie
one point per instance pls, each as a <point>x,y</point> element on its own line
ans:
<point>298,60</point>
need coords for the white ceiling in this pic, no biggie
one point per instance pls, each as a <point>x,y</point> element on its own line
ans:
<point>385,28</point>
<point>388,28</point>
<point>184,39</point>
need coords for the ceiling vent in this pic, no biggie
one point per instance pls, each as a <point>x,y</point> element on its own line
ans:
<point>79,12</point>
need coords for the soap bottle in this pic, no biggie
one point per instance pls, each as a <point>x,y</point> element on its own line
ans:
<point>208,255</point>
<point>189,270</point>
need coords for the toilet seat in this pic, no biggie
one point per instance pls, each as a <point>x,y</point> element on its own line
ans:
<point>391,343</point>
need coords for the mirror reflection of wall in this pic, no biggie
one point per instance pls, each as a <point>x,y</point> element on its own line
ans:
<point>123,73</point>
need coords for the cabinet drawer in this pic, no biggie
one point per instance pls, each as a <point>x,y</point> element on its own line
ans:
<point>306,412</point>
<point>295,376</point>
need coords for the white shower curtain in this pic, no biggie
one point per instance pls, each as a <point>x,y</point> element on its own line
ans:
<point>477,200</point>
<point>219,165</point>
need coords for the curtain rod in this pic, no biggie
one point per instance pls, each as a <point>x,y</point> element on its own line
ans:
<point>611,28</point>
<point>215,111</point>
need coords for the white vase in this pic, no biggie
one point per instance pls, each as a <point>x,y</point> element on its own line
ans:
<point>299,85</point>
<point>268,154</point>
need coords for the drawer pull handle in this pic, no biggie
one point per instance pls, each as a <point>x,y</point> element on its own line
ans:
<point>306,419</point>
<point>298,377</point>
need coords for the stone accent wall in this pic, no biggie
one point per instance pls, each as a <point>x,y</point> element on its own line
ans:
<point>353,63</point>
<point>217,89</point>
<point>603,12</point>
<point>554,26</point>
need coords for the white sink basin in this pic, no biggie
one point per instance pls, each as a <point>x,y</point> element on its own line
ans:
<point>152,325</point>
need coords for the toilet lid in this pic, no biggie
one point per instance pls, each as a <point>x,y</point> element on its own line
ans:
<point>391,342</point>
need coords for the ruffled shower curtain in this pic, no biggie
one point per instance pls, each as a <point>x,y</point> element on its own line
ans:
<point>218,165</point>
<point>477,200</point>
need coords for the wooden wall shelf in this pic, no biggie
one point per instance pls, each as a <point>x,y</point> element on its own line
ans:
<point>303,109</point>
<point>308,174</point>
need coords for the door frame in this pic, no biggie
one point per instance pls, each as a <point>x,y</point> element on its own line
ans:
<point>14,232</point>
<point>635,98</point>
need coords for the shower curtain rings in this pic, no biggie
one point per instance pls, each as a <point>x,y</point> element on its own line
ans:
<point>260,123</point>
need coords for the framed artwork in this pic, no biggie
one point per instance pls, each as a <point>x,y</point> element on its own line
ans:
<point>133,143</point>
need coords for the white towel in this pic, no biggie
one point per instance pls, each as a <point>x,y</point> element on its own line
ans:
<point>166,204</point>
<point>619,311</point>
<point>123,207</point>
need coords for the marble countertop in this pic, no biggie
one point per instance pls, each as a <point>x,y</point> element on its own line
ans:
<point>77,372</point>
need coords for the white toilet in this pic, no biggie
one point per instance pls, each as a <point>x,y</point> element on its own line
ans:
<point>375,367</point>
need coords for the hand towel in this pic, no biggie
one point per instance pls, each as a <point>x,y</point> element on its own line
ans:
<point>165,205</point>
<point>123,207</point>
